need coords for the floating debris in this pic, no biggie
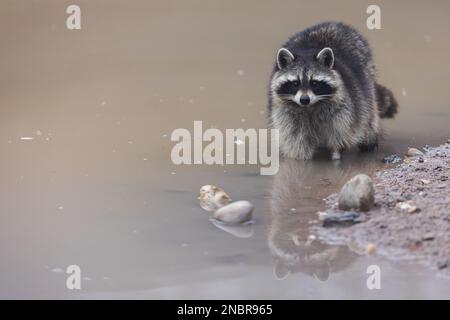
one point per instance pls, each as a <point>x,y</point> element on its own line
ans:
<point>213,198</point>
<point>26,138</point>
<point>392,159</point>
<point>235,213</point>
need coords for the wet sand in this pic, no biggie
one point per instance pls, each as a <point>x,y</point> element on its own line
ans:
<point>410,220</point>
<point>95,186</point>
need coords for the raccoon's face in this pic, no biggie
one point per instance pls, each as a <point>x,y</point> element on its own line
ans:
<point>305,80</point>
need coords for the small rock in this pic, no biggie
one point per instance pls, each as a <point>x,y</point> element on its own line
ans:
<point>428,237</point>
<point>425,181</point>
<point>213,198</point>
<point>357,193</point>
<point>392,159</point>
<point>442,264</point>
<point>412,152</point>
<point>408,207</point>
<point>235,213</point>
<point>342,219</point>
<point>371,249</point>
<point>322,215</point>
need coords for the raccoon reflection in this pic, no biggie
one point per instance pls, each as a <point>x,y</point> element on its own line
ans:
<point>297,193</point>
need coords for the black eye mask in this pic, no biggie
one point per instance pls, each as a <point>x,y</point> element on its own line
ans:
<point>321,88</point>
<point>289,87</point>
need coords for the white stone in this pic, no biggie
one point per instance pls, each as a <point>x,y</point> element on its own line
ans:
<point>235,213</point>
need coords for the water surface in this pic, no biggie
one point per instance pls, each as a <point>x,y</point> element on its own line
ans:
<point>86,176</point>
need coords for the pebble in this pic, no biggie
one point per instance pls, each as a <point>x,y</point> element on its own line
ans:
<point>213,198</point>
<point>442,264</point>
<point>412,152</point>
<point>392,159</point>
<point>322,215</point>
<point>408,207</point>
<point>371,249</point>
<point>235,213</point>
<point>428,236</point>
<point>425,181</point>
<point>358,193</point>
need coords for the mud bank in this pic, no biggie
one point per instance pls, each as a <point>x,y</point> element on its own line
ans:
<point>411,216</point>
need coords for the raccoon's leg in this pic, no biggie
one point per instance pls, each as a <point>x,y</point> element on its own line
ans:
<point>305,153</point>
<point>299,152</point>
<point>368,146</point>
<point>308,153</point>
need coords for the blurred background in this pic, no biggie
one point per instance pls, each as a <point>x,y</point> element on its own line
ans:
<point>85,171</point>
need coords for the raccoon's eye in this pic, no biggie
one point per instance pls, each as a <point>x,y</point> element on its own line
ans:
<point>314,83</point>
<point>296,83</point>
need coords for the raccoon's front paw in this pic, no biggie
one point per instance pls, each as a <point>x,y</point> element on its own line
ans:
<point>336,155</point>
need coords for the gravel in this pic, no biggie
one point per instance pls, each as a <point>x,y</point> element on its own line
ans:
<point>411,216</point>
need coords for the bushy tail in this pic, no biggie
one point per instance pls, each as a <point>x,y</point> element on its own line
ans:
<point>387,105</point>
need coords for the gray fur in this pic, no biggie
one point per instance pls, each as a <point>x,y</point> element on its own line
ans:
<point>350,116</point>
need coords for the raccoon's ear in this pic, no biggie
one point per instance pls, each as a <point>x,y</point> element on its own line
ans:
<point>284,58</point>
<point>326,57</point>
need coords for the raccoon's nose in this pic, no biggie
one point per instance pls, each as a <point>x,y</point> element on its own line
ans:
<point>304,100</point>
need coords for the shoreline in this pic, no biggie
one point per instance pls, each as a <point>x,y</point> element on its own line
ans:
<point>411,216</point>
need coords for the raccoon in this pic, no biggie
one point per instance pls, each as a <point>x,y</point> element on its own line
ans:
<point>323,93</point>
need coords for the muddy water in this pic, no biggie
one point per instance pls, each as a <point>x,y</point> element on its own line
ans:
<point>86,176</point>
